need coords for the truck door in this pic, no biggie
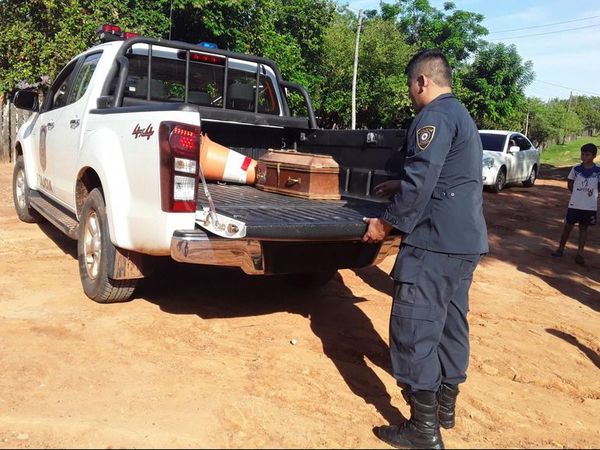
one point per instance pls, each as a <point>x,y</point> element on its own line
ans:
<point>64,139</point>
<point>45,130</point>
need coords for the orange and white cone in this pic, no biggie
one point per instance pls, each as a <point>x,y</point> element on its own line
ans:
<point>220,163</point>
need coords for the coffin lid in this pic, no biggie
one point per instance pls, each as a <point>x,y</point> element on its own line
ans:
<point>294,158</point>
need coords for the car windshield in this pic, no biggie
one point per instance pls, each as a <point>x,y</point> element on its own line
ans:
<point>493,142</point>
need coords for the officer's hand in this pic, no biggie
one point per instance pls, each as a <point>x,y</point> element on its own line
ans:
<point>387,188</point>
<point>377,230</point>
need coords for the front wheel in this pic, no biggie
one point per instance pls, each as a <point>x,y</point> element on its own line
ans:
<point>96,254</point>
<point>21,195</point>
<point>532,177</point>
<point>500,181</point>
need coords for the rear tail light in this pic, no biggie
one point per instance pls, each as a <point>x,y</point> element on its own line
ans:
<point>179,150</point>
<point>202,57</point>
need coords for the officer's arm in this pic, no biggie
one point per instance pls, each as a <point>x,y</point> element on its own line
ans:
<point>422,168</point>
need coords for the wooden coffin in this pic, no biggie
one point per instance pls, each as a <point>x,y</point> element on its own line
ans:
<point>305,175</point>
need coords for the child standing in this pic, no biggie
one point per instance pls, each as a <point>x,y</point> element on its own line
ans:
<point>583,185</point>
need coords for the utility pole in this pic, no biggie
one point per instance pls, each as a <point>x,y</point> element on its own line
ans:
<point>355,71</point>
<point>170,19</point>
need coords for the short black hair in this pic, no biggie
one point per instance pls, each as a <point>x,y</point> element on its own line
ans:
<point>432,63</point>
<point>589,148</point>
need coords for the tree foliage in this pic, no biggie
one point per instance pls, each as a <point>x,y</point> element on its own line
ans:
<point>492,86</point>
<point>456,32</point>
<point>313,43</point>
<point>552,121</point>
<point>40,36</point>
<point>381,95</point>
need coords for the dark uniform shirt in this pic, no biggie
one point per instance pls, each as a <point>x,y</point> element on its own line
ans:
<point>439,206</point>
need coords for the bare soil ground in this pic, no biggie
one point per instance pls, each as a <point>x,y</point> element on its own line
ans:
<point>203,356</point>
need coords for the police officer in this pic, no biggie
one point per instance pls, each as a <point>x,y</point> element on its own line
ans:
<point>437,208</point>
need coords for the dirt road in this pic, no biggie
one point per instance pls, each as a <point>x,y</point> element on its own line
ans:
<point>204,357</point>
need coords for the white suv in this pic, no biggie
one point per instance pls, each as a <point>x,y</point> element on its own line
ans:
<point>508,157</point>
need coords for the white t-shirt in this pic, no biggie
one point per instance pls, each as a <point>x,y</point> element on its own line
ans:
<point>585,187</point>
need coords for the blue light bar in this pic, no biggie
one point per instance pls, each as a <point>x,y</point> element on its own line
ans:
<point>208,45</point>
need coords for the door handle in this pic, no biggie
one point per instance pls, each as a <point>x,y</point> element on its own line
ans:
<point>50,125</point>
<point>74,123</point>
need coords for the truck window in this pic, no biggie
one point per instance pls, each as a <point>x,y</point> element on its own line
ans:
<point>241,92</point>
<point>206,80</point>
<point>57,94</point>
<point>83,78</point>
<point>168,78</point>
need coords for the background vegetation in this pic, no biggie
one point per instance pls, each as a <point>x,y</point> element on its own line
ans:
<point>313,43</point>
<point>560,155</point>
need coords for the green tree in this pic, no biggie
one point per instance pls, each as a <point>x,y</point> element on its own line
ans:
<point>381,94</point>
<point>492,87</point>
<point>588,111</point>
<point>552,122</point>
<point>40,36</point>
<point>456,32</point>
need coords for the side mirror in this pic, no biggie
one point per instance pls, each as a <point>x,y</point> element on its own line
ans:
<point>27,99</point>
<point>514,149</point>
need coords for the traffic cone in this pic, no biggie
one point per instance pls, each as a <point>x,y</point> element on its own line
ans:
<point>220,163</point>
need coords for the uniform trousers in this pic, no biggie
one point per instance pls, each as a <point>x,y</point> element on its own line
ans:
<point>429,332</point>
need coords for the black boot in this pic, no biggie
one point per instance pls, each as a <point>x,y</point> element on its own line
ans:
<point>446,396</point>
<point>423,428</point>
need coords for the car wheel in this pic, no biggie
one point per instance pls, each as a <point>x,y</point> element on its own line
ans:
<point>532,177</point>
<point>21,195</point>
<point>500,181</point>
<point>96,254</point>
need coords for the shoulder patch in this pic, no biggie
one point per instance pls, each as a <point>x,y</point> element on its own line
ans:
<point>425,136</point>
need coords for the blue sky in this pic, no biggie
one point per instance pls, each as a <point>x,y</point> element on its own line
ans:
<point>560,37</point>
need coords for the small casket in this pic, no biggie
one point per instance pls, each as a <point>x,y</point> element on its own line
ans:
<point>305,175</point>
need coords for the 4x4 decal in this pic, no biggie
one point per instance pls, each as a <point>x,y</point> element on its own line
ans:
<point>140,132</point>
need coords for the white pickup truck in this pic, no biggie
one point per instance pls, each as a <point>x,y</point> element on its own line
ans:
<point>110,157</point>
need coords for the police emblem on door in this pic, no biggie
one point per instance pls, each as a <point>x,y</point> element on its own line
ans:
<point>42,151</point>
<point>425,136</point>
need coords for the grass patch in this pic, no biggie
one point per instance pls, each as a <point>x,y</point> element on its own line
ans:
<point>568,154</point>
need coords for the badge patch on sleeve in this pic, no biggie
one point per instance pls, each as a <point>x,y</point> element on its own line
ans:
<point>425,136</point>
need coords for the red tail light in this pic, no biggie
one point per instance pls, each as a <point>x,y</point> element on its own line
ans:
<point>179,151</point>
<point>202,57</point>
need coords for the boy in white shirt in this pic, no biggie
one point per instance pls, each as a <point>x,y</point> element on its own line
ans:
<point>583,185</point>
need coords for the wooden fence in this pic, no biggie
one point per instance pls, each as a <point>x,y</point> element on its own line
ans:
<point>11,119</point>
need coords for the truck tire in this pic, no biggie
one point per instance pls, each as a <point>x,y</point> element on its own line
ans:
<point>311,280</point>
<point>529,182</point>
<point>500,181</point>
<point>96,254</point>
<point>21,195</point>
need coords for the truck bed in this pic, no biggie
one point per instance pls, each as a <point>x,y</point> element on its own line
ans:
<point>270,216</point>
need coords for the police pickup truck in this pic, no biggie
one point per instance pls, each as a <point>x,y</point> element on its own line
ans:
<point>110,157</point>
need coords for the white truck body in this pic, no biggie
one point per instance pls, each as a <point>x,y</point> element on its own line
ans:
<point>111,157</point>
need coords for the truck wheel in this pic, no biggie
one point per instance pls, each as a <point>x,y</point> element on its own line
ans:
<point>500,181</point>
<point>96,254</point>
<point>532,177</point>
<point>21,195</point>
<point>311,280</point>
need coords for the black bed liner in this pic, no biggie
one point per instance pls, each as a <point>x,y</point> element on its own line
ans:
<point>273,216</point>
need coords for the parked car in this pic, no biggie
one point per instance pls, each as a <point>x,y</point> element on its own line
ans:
<point>508,157</point>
